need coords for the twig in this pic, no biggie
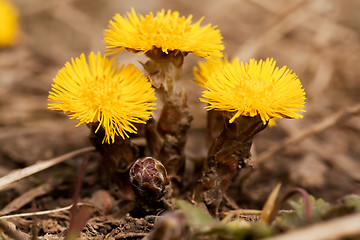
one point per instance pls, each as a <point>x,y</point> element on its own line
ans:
<point>40,166</point>
<point>327,153</point>
<point>28,196</point>
<point>124,235</point>
<point>243,212</point>
<point>251,212</point>
<point>339,228</point>
<point>316,128</point>
<point>39,213</point>
<point>13,233</point>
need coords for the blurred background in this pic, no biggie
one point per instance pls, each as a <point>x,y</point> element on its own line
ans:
<point>317,39</point>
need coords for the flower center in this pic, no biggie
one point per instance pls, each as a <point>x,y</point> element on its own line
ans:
<point>255,85</point>
<point>100,92</point>
<point>252,87</point>
<point>165,28</point>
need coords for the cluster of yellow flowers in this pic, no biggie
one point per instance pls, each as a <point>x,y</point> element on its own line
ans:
<point>97,91</point>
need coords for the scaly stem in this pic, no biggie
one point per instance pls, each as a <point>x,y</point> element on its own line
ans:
<point>226,156</point>
<point>116,160</point>
<point>166,137</point>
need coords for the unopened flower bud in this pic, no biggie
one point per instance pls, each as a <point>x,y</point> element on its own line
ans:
<point>149,177</point>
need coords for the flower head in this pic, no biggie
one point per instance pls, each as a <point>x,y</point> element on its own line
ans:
<point>166,31</point>
<point>251,89</point>
<point>100,92</point>
<point>9,26</point>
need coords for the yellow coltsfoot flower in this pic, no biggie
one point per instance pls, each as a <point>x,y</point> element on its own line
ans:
<point>254,88</point>
<point>166,32</point>
<point>9,25</point>
<point>97,91</point>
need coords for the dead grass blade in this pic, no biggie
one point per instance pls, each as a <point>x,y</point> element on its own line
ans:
<point>40,166</point>
<point>269,208</point>
<point>30,195</point>
<point>46,212</point>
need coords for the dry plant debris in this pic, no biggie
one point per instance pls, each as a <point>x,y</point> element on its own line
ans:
<point>318,40</point>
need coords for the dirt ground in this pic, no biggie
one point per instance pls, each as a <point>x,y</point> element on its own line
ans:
<point>319,40</point>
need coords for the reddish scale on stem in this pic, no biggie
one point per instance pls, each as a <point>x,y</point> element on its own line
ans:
<point>149,177</point>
